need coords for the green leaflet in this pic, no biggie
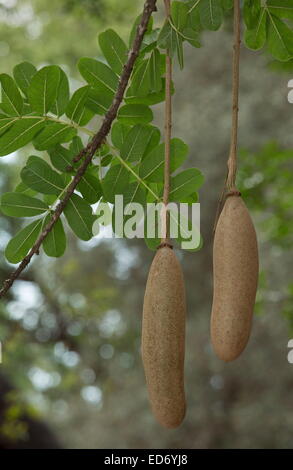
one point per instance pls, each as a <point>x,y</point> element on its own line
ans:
<point>114,50</point>
<point>99,75</point>
<point>280,39</point>
<point>131,114</point>
<point>147,76</point>
<point>211,14</point>
<point>20,205</point>
<point>251,13</point>
<point>79,216</point>
<point>150,99</point>
<point>23,241</point>
<point>62,96</point>
<point>115,182</point>
<point>20,134</point>
<point>55,242</point>
<point>134,192</point>
<point>54,133</point>
<point>98,101</point>
<point>90,187</point>
<point>179,14</point>
<point>39,176</point>
<point>139,140</point>
<point>184,184</point>
<point>118,134</point>
<point>60,157</point>
<point>255,38</point>
<point>152,167</point>
<point>12,102</point>
<point>42,91</point>
<point>76,109</point>
<point>170,38</point>
<point>75,146</point>
<point>23,74</point>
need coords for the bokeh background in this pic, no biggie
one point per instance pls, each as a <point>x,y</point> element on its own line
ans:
<point>71,375</point>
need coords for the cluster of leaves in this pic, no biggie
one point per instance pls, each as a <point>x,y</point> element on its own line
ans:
<point>267,22</point>
<point>132,164</point>
<point>270,23</point>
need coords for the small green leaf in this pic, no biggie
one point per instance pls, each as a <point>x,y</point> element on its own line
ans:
<point>141,82</point>
<point>20,134</point>
<point>191,36</point>
<point>280,39</point>
<point>251,13</point>
<point>12,102</point>
<point>184,184</point>
<point>98,75</point>
<point>115,182</point>
<point>136,142</point>
<point>75,146</point>
<point>76,109</point>
<point>135,114</point>
<point>98,101</point>
<point>118,134</point>
<point>114,50</point>
<point>193,20</point>
<point>152,167</point>
<point>150,99</point>
<point>62,98</point>
<point>179,13</point>
<point>42,91</point>
<point>23,74</point>
<point>54,133</point>
<point>79,217</point>
<point>23,241</point>
<point>255,38</point>
<point>39,176</point>
<point>20,205</point>
<point>134,192</point>
<point>60,157</point>
<point>55,242</point>
<point>211,14</point>
<point>90,187</point>
<point>154,71</point>
<point>167,38</point>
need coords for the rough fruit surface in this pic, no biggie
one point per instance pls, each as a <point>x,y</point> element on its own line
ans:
<point>235,279</point>
<point>163,338</point>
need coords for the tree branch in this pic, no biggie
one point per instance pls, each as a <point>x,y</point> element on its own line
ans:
<point>94,144</point>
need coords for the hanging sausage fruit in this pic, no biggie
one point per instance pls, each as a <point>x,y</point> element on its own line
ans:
<point>235,248</point>
<point>164,310</point>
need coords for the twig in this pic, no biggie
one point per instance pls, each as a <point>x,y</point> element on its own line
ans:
<point>168,130</point>
<point>95,143</point>
<point>232,160</point>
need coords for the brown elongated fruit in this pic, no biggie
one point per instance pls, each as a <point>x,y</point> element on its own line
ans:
<point>235,279</point>
<point>163,338</point>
